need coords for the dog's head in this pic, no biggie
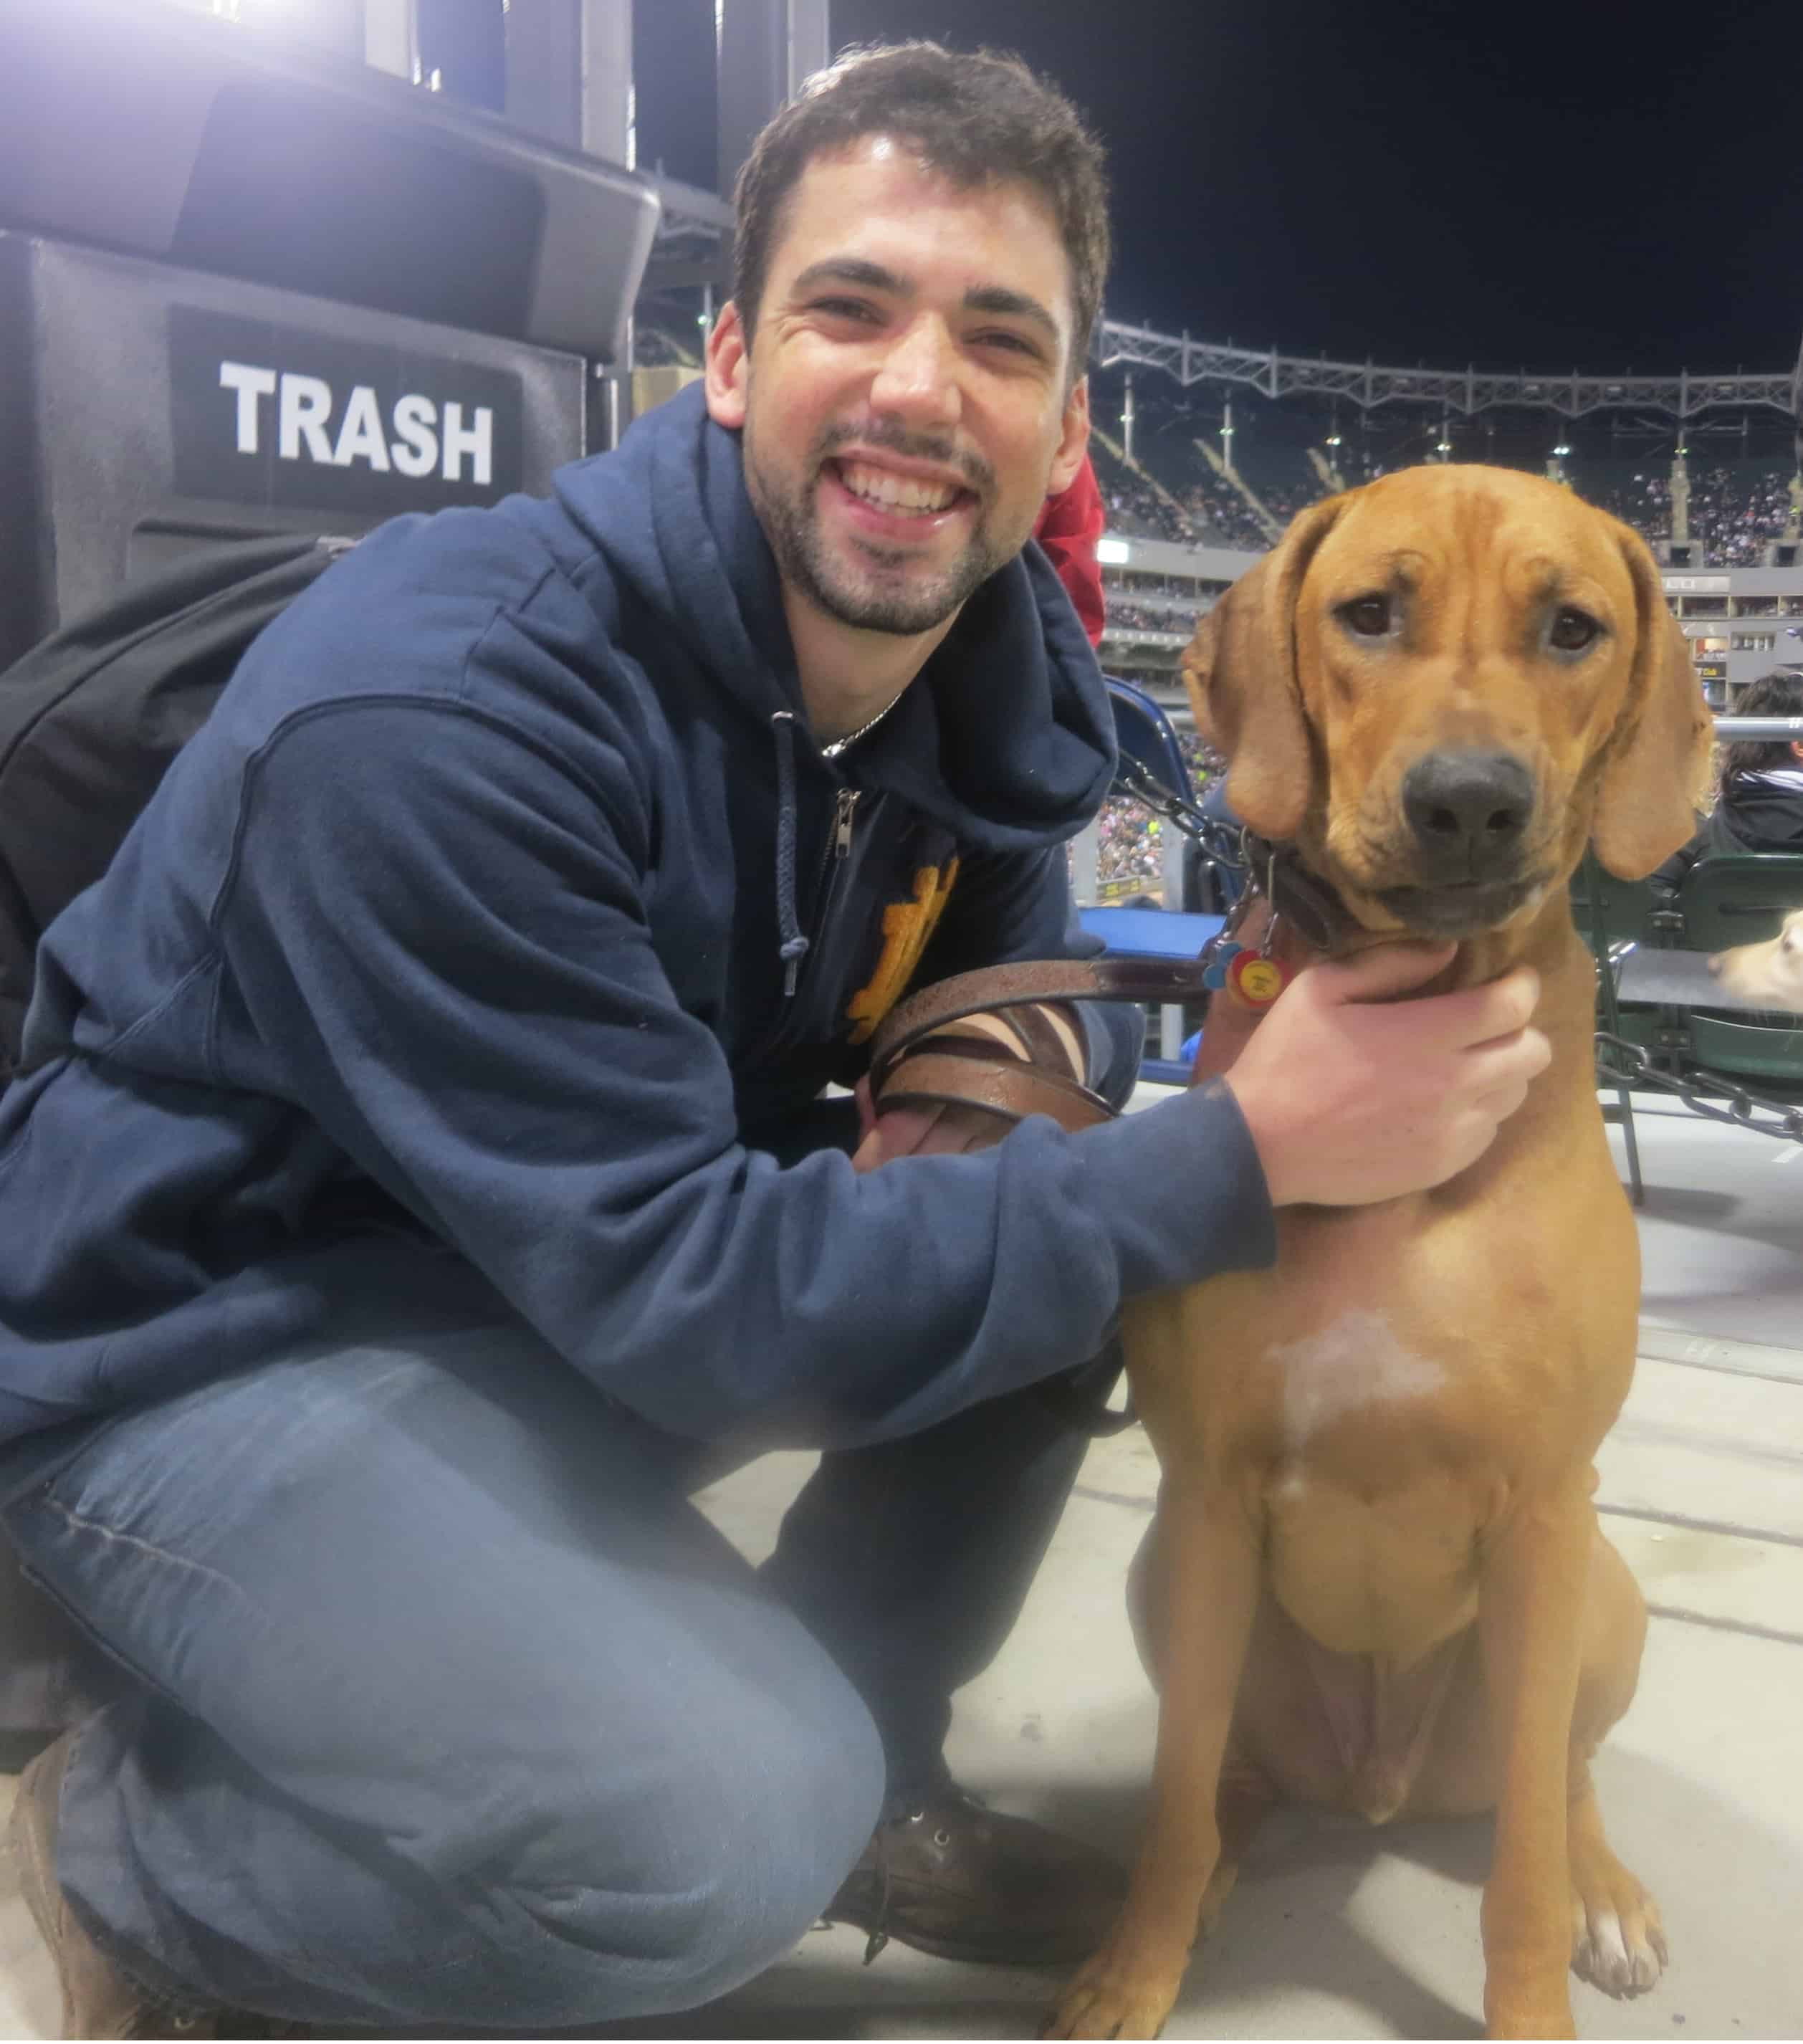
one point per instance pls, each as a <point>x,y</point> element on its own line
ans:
<point>1441,685</point>
<point>1771,973</point>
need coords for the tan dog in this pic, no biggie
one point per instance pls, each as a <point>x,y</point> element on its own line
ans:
<point>1771,972</point>
<point>1375,1579</point>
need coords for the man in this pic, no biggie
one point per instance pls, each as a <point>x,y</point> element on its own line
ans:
<point>423,1179</point>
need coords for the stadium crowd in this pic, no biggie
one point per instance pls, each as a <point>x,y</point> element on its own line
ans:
<point>1205,512</point>
<point>1218,508</point>
<point>1735,509</point>
<point>1130,844</point>
<point>1144,617</point>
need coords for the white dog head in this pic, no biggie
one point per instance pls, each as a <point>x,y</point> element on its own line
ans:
<point>1770,974</point>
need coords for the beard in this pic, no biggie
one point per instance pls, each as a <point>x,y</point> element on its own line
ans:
<point>872,587</point>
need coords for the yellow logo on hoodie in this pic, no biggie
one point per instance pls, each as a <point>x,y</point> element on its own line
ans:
<point>907,926</point>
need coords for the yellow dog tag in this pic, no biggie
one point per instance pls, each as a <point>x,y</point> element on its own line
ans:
<point>1256,980</point>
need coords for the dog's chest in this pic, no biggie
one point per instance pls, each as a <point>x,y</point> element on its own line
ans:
<point>1358,1362</point>
<point>1372,1513</point>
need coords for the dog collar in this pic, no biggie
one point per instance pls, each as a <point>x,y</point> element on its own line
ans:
<point>1305,901</point>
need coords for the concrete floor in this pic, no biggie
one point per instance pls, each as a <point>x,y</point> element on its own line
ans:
<point>1337,1930</point>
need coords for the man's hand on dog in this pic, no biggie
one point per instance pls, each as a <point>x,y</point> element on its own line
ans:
<point>1352,1096</point>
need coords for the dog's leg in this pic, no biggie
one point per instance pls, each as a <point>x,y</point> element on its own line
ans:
<point>1210,1589</point>
<point>1244,1799</point>
<point>1618,1941</point>
<point>1531,1613</point>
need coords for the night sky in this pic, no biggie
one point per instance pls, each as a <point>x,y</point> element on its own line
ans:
<point>1602,187</point>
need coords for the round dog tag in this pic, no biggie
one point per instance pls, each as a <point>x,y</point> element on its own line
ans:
<point>1256,980</point>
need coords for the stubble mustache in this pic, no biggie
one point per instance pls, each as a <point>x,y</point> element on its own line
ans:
<point>889,436</point>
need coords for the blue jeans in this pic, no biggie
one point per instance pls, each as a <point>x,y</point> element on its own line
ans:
<point>448,1707</point>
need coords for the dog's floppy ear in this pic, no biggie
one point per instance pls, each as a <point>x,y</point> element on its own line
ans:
<point>1241,669</point>
<point>1657,766</point>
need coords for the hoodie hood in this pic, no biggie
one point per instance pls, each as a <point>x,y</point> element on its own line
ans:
<point>1005,736</point>
<point>1762,810</point>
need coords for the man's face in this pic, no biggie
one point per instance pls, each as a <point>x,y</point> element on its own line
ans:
<point>907,413</point>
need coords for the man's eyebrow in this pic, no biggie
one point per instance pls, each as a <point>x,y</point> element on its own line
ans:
<point>997,298</point>
<point>852,269</point>
<point>994,298</point>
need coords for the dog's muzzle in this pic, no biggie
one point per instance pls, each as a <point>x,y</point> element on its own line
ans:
<point>1467,812</point>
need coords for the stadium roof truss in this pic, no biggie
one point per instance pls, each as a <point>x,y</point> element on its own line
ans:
<point>1367,385</point>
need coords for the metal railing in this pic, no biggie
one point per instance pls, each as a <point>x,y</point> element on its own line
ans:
<point>1469,390</point>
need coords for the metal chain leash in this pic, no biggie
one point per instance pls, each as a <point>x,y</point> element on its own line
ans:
<point>1742,1110</point>
<point>1220,840</point>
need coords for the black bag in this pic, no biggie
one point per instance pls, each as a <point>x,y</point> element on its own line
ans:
<point>91,717</point>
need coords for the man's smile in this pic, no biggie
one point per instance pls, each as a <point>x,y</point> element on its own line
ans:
<point>889,504</point>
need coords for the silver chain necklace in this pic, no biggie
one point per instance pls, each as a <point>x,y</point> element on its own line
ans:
<point>839,745</point>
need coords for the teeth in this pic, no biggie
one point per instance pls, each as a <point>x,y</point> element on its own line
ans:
<point>895,492</point>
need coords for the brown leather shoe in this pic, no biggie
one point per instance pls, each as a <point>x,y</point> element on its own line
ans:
<point>97,1999</point>
<point>963,1882</point>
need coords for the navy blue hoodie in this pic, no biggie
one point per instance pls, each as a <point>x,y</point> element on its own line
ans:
<point>1758,809</point>
<point>489,946</point>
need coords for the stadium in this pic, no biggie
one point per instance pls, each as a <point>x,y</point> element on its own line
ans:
<point>588,1108</point>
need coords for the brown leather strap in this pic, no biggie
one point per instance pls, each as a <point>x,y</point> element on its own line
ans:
<point>1039,979</point>
<point>969,1071</point>
<point>1000,1084</point>
<point>1038,1038</point>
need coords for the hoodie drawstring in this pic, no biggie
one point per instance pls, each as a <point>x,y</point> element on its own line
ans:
<point>788,924</point>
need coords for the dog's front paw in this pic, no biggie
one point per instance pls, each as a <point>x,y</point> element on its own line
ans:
<point>1115,1995</point>
<point>1617,1940</point>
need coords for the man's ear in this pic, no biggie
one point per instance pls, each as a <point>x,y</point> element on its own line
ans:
<point>1073,440</point>
<point>1241,670</point>
<point>729,368</point>
<point>1656,769</point>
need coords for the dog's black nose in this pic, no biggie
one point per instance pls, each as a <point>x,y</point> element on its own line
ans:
<point>1468,811</point>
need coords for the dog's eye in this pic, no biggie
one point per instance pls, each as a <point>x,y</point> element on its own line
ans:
<point>1368,615</point>
<point>1572,631</point>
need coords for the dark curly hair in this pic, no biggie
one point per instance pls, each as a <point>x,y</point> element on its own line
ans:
<point>1776,694</point>
<point>975,120</point>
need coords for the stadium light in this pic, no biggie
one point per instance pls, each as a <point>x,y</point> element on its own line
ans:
<point>1561,450</point>
<point>238,10</point>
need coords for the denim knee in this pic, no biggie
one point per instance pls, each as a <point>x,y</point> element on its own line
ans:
<point>689,1886</point>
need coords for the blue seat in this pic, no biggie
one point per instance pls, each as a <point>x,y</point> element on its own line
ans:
<point>1150,933</point>
<point>1144,735</point>
<point>1153,933</point>
<point>1213,877</point>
